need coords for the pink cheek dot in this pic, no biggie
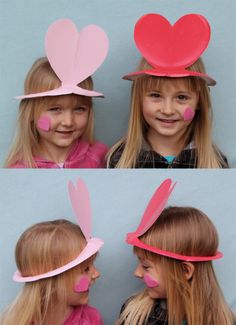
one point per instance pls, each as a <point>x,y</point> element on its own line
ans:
<point>44,123</point>
<point>82,285</point>
<point>150,281</point>
<point>188,114</point>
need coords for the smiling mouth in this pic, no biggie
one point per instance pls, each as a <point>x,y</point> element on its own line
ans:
<point>166,120</point>
<point>65,132</point>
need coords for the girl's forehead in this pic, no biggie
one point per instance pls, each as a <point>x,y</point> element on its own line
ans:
<point>165,84</point>
<point>70,100</point>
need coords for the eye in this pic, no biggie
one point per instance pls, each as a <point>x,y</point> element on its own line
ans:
<point>154,94</point>
<point>183,97</point>
<point>86,270</point>
<point>81,109</point>
<point>54,109</point>
<point>145,267</point>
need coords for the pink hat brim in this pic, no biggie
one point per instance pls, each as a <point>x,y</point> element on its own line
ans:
<point>63,90</point>
<point>133,240</point>
<point>92,247</point>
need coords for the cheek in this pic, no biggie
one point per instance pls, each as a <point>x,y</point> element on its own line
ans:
<point>83,285</point>
<point>82,121</point>
<point>188,114</point>
<point>150,281</point>
<point>44,123</point>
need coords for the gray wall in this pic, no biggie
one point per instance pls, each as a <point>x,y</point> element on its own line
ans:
<point>118,200</point>
<point>23,26</point>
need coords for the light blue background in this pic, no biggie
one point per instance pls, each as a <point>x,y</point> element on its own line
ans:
<point>22,28</point>
<point>118,199</point>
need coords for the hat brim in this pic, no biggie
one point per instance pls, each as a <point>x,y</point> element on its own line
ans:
<point>131,239</point>
<point>92,247</point>
<point>63,90</point>
<point>170,74</point>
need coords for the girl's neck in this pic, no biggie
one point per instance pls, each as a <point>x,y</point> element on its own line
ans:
<point>165,146</point>
<point>57,314</point>
<point>53,153</point>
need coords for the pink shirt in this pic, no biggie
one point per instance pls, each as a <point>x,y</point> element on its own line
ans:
<point>84,315</point>
<point>82,155</point>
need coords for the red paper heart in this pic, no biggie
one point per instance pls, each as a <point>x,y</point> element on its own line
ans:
<point>177,46</point>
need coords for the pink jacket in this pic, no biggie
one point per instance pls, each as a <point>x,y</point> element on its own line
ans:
<point>82,155</point>
<point>84,315</point>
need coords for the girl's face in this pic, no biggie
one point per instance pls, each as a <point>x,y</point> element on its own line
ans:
<point>63,121</point>
<point>79,293</point>
<point>151,273</point>
<point>168,111</point>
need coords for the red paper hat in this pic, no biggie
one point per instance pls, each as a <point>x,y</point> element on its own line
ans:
<point>171,49</point>
<point>151,214</point>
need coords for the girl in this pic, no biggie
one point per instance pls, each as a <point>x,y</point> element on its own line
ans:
<point>175,249</point>
<point>171,118</point>
<point>55,123</point>
<point>55,259</point>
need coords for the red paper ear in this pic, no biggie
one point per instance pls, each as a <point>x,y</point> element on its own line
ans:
<point>155,206</point>
<point>164,45</point>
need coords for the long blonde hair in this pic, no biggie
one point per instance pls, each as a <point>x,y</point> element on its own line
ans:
<point>198,301</point>
<point>40,78</point>
<point>41,248</point>
<point>208,156</point>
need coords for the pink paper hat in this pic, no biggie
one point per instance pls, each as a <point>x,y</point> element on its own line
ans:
<point>74,56</point>
<point>171,49</point>
<point>151,214</point>
<point>80,201</point>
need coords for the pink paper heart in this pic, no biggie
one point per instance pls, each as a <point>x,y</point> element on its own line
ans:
<point>164,45</point>
<point>150,281</point>
<point>74,55</point>
<point>44,123</point>
<point>189,114</point>
<point>82,285</point>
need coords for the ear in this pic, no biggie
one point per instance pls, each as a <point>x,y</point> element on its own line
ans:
<point>188,269</point>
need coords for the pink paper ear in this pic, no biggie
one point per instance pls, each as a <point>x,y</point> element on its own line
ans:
<point>164,45</point>
<point>44,123</point>
<point>83,285</point>
<point>189,114</point>
<point>80,201</point>
<point>75,56</point>
<point>150,281</point>
<point>155,206</point>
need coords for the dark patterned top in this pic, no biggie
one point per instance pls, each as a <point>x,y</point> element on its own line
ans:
<point>158,314</point>
<point>148,158</point>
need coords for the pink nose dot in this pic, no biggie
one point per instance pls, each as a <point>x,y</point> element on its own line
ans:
<point>188,114</point>
<point>44,123</point>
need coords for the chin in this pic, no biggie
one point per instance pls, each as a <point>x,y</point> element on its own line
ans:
<point>154,295</point>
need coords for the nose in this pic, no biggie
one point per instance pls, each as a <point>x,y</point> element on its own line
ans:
<point>167,107</point>
<point>67,119</point>
<point>95,274</point>
<point>138,272</point>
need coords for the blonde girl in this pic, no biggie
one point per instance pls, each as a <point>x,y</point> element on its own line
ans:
<point>175,258</point>
<point>55,260</point>
<point>170,122</point>
<point>56,119</point>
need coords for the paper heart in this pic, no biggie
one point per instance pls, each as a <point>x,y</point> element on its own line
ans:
<point>189,114</point>
<point>177,46</point>
<point>150,281</point>
<point>74,55</point>
<point>155,206</point>
<point>82,285</point>
<point>44,123</point>
<point>80,201</point>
